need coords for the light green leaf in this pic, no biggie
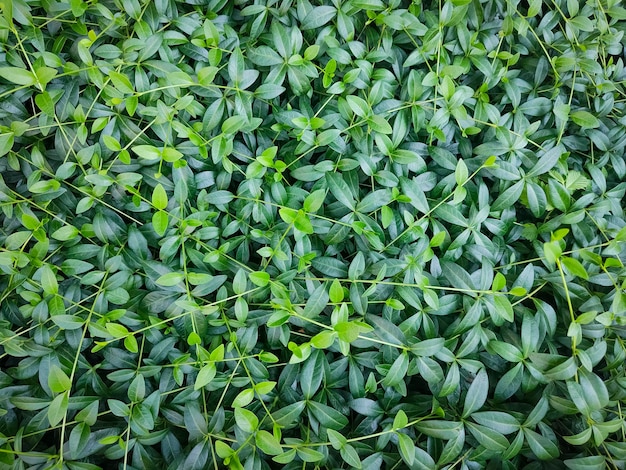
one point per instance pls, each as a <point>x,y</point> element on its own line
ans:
<point>58,408</point>
<point>268,443</point>
<point>48,280</point>
<point>259,278</point>
<point>170,279</point>
<point>18,76</point>
<point>246,420</point>
<point>58,381</point>
<point>147,152</point>
<point>585,119</point>
<point>160,221</point>
<point>159,197</point>
<point>206,374</point>
<point>121,82</point>
<point>407,448</point>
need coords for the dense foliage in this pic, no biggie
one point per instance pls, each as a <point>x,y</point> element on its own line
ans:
<point>296,234</point>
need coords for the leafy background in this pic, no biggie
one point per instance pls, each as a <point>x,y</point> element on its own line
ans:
<point>371,234</point>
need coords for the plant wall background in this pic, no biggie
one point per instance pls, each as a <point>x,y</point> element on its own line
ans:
<point>294,234</point>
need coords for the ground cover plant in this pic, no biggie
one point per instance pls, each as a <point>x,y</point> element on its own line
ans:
<point>372,234</point>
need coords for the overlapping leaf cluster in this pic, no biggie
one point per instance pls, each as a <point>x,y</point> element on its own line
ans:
<point>312,234</point>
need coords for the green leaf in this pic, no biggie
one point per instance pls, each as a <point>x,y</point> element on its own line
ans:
<point>507,351</point>
<point>121,82</point>
<point>259,278</point>
<point>221,197</point>
<point>18,76</point>
<point>357,266</point>
<point>147,152</point>
<point>309,455</point>
<point>312,373</point>
<point>461,173</point>
<point>79,438</point>
<point>244,398</point>
<point>499,421</point>
<point>206,75</point>
<point>508,197</point>
<point>552,251</point>
<point>44,186</point>
<point>246,420</point>
<point>48,280</point>
<point>267,443</point>
<point>68,322</point>
<point>327,416</point>
<point>585,119</point>
<point>327,137</point>
<point>170,279</point>
<point>347,331</point>
<point>58,381</point>
<point>160,222</point>
<point>265,56</point>
<point>58,408</point>
<point>423,460</point>
<point>358,105</point>
<point>489,438</point>
<point>575,267</point>
<point>427,347</point>
<point>222,449</point>
<point>285,457</point>
<point>340,190</point>
<point>67,232</point>
<point>336,291</point>
<point>379,124</point>
<point>350,456</point>
<point>324,339</point>
<point>205,376</point>
<point>6,143</point>
<point>288,414</point>
<point>504,308</point>
<point>397,371</point>
<point>407,448</point>
<point>439,429</point>
<point>159,197</point>
<point>594,390</point>
<point>592,462</point>
<point>546,161</point>
<point>318,17</point>
<point>476,393</point>
<point>314,201</point>
<point>563,371</point>
<point>337,440</point>
<point>137,389</point>
<point>117,330</point>
<point>541,446</point>
<point>579,439</point>
<point>316,303</point>
<point>370,5</point>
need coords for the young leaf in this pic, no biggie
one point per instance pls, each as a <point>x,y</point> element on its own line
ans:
<point>159,197</point>
<point>18,76</point>
<point>58,381</point>
<point>268,443</point>
<point>206,374</point>
<point>58,408</point>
